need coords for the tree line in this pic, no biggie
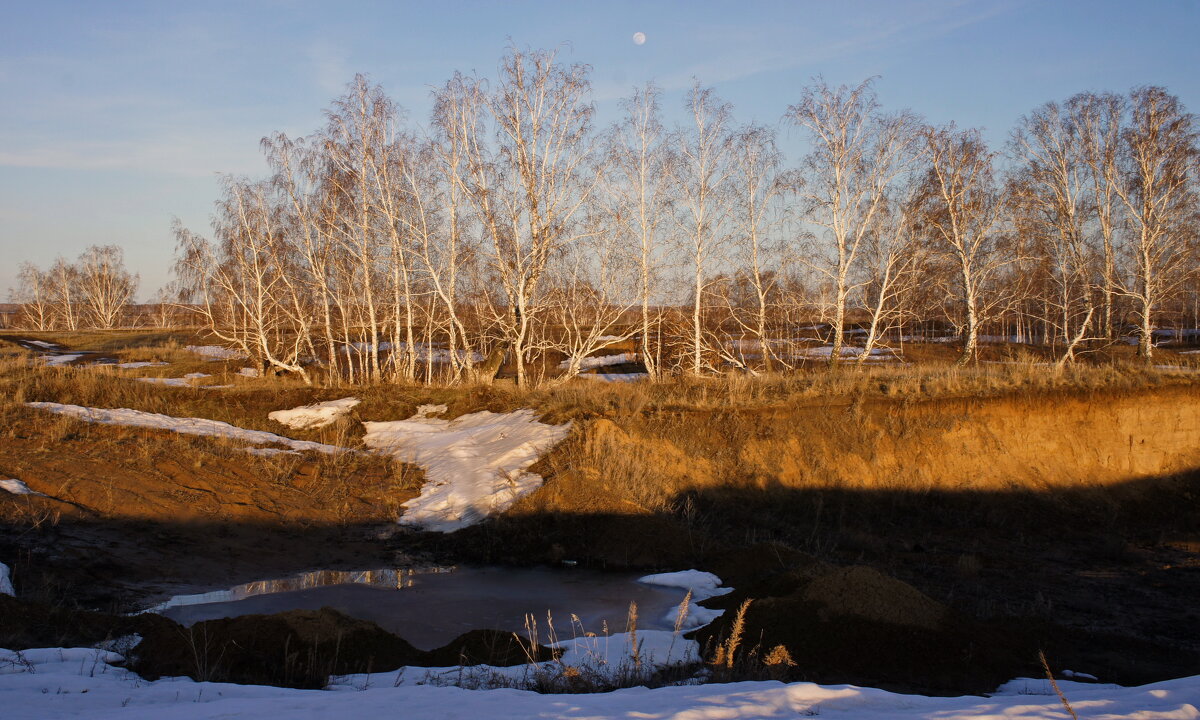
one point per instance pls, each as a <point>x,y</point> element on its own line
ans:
<point>511,226</point>
<point>94,292</point>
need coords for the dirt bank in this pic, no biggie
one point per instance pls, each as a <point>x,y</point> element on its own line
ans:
<point>1071,509</point>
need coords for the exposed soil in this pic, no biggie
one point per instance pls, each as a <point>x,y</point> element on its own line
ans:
<point>1065,522</point>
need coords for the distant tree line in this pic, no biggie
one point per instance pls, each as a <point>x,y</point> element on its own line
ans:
<point>94,292</point>
<point>510,225</point>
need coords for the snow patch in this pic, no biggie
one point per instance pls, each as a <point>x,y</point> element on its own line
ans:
<point>317,415</point>
<point>615,377</point>
<point>44,344</point>
<point>140,364</point>
<point>703,585</point>
<point>270,452</point>
<point>427,410</point>
<point>826,352</point>
<point>602,361</point>
<point>16,487</point>
<point>474,464</point>
<point>216,352</point>
<point>186,426</point>
<point>60,360</point>
<point>249,372</point>
<point>6,586</point>
<point>185,381</point>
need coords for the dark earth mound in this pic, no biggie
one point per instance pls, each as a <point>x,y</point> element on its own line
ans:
<point>299,648</point>
<point>856,625</point>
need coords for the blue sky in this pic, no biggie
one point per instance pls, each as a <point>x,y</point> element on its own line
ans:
<point>117,116</point>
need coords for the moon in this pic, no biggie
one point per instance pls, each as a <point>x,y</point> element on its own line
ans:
<point>639,38</point>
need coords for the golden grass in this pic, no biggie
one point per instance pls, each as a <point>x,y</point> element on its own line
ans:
<point>641,448</point>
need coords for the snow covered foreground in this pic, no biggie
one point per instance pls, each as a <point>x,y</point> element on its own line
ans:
<point>475,465</point>
<point>48,684</point>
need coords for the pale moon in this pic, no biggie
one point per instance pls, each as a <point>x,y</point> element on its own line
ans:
<point>639,38</point>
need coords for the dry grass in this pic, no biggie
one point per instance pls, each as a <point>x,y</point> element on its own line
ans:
<point>647,448</point>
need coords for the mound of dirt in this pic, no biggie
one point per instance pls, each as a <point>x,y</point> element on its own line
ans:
<point>865,594</point>
<point>299,648</point>
<point>25,624</point>
<point>768,568</point>
<point>856,625</point>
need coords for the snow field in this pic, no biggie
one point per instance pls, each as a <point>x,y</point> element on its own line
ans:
<point>52,683</point>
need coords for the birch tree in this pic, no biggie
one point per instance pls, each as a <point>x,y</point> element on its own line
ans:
<point>639,170</point>
<point>960,205</point>
<point>530,192</point>
<point>1156,188</point>
<point>1097,119</point>
<point>756,195</point>
<point>1049,189</point>
<point>106,286</point>
<point>845,181</point>
<point>33,293</point>
<point>700,176</point>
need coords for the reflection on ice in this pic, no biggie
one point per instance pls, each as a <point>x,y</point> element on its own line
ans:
<point>395,579</point>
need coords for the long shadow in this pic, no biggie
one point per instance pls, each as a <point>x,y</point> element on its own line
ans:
<point>1101,575</point>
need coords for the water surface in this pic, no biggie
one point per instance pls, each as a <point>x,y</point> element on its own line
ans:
<point>431,608</point>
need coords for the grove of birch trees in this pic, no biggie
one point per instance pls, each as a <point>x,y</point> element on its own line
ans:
<point>510,227</point>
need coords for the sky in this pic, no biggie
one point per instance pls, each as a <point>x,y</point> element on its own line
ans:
<point>116,117</point>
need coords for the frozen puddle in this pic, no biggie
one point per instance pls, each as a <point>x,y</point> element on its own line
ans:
<point>429,608</point>
<point>475,465</point>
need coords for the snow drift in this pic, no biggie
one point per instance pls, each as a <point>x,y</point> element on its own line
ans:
<point>474,465</point>
<point>186,426</point>
<point>317,415</point>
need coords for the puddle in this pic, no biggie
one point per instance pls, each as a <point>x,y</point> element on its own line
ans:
<point>429,608</point>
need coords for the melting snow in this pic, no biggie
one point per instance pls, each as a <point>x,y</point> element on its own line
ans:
<point>601,361</point>
<point>141,364</point>
<point>58,360</point>
<point>186,426</point>
<point>185,381</point>
<point>6,588</point>
<point>249,372</point>
<point>216,352</point>
<point>16,487</point>
<point>615,377</point>
<point>826,351</point>
<point>703,585</point>
<point>51,683</point>
<point>44,344</point>
<point>474,465</point>
<point>317,415</point>
<point>270,452</point>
